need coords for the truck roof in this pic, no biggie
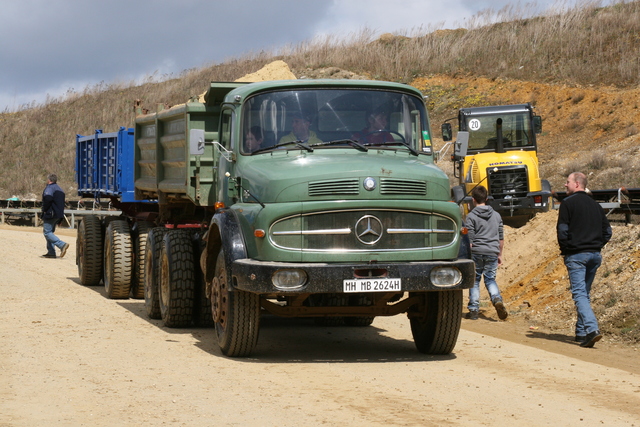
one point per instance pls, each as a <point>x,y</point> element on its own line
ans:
<point>234,90</point>
<point>496,109</point>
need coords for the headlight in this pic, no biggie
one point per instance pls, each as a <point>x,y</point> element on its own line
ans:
<point>445,276</point>
<point>289,279</point>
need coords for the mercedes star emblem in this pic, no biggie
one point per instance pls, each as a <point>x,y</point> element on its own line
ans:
<point>369,230</point>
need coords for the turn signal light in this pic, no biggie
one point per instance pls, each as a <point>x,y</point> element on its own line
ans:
<point>259,233</point>
<point>219,205</point>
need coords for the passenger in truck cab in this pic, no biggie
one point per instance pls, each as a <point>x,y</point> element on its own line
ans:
<point>253,139</point>
<point>376,132</point>
<point>300,131</point>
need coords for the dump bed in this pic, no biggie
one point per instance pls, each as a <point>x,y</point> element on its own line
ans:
<point>104,165</point>
<point>174,154</point>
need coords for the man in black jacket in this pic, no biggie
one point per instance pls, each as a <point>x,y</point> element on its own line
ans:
<point>52,214</point>
<point>583,230</point>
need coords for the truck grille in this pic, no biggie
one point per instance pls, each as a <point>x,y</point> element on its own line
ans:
<point>403,186</point>
<point>334,187</point>
<point>364,231</point>
<point>510,181</point>
<point>351,187</point>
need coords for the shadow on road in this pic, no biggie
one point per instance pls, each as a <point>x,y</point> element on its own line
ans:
<point>300,340</point>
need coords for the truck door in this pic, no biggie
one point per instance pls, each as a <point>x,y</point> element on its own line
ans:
<point>227,192</point>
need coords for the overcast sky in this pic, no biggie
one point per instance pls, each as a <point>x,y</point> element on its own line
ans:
<point>52,46</point>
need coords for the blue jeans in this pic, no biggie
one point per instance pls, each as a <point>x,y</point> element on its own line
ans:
<point>582,269</point>
<point>487,266</point>
<point>48,228</point>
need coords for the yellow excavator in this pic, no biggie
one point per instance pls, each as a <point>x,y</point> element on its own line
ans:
<point>496,147</point>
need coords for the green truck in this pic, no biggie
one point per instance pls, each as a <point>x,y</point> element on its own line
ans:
<point>301,198</point>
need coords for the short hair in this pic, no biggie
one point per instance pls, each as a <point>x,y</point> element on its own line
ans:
<point>479,194</point>
<point>580,178</point>
<point>53,178</point>
<point>256,131</point>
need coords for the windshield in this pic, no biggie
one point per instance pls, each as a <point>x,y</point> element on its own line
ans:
<point>334,117</point>
<point>483,131</point>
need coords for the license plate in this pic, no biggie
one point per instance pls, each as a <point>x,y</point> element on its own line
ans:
<point>372,285</point>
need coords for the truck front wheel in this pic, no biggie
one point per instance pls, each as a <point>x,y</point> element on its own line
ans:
<point>89,251</point>
<point>177,281</point>
<point>436,323</point>
<point>118,260</point>
<point>236,314</point>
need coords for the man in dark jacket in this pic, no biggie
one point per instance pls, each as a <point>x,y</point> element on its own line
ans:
<point>583,230</point>
<point>487,240</point>
<point>52,214</point>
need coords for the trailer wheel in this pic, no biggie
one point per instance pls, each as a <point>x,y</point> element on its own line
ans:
<point>177,281</point>
<point>236,314</point>
<point>118,260</point>
<point>436,326</point>
<point>139,234</point>
<point>89,251</point>
<point>152,272</point>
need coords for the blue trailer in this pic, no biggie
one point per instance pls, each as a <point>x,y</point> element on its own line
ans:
<point>104,165</point>
<point>111,250</point>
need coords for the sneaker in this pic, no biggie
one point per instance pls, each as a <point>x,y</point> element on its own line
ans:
<point>501,309</point>
<point>591,339</point>
<point>472,315</point>
<point>63,251</point>
<point>48,256</point>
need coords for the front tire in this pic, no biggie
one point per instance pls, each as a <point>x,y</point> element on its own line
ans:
<point>118,260</point>
<point>89,251</point>
<point>177,281</point>
<point>436,322</point>
<point>236,314</point>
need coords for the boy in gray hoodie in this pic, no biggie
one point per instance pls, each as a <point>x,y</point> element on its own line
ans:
<point>487,240</point>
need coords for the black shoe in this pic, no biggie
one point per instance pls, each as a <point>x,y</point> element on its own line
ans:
<point>48,256</point>
<point>63,251</point>
<point>591,339</point>
<point>501,309</point>
<point>472,315</point>
<point>580,338</point>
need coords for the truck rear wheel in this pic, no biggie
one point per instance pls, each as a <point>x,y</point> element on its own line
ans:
<point>435,329</point>
<point>89,251</point>
<point>152,272</point>
<point>139,235</point>
<point>202,315</point>
<point>236,314</point>
<point>177,281</point>
<point>360,301</point>
<point>118,260</point>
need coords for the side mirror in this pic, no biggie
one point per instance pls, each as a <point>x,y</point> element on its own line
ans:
<point>196,142</point>
<point>461,145</point>
<point>447,133</point>
<point>537,124</point>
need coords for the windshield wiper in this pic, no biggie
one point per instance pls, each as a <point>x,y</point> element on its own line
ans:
<point>410,148</point>
<point>351,142</point>
<point>299,143</point>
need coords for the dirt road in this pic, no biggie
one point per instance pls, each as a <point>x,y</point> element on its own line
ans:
<point>69,356</point>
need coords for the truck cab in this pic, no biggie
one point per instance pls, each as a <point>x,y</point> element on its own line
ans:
<point>500,152</point>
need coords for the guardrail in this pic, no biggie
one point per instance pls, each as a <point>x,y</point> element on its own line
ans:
<point>30,210</point>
